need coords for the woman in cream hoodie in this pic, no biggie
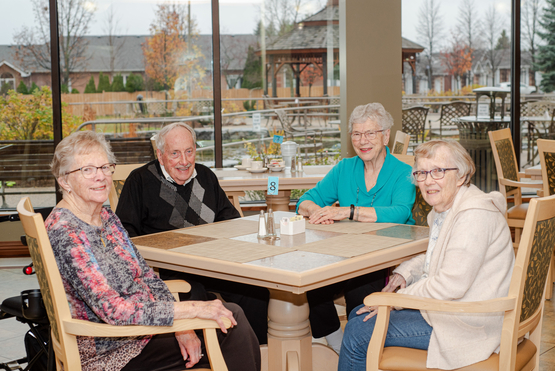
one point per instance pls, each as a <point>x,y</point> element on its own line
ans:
<point>469,258</point>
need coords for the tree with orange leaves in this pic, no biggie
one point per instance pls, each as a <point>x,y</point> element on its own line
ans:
<point>309,75</point>
<point>167,55</point>
<point>457,59</point>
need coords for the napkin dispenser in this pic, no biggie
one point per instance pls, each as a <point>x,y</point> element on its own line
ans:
<point>294,225</point>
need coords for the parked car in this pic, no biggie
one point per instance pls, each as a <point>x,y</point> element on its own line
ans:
<point>524,89</point>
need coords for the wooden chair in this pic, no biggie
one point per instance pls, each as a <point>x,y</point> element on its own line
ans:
<point>118,180</point>
<point>401,143</point>
<point>449,112</point>
<point>291,131</point>
<point>123,171</point>
<point>420,209</point>
<point>414,122</point>
<point>546,149</point>
<point>509,178</point>
<point>523,306</point>
<point>64,329</point>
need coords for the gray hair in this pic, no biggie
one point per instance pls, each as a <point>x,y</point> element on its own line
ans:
<point>161,136</point>
<point>371,111</point>
<point>460,157</point>
<point>78,143</point>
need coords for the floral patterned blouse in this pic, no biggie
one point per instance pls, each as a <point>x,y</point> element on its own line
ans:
<point>107,281</point>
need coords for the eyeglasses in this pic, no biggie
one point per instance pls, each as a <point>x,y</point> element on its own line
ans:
<point>436,174</point>
<point>90,171</point>
<point>369,135</point>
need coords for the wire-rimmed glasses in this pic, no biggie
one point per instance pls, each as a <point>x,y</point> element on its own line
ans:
<point>90,171</point>
<point>369,135</point>
<point>436,174</point>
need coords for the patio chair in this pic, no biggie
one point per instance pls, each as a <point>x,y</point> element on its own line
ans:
<point>537,129</point>
<point>286,122</point>
<point>414,122</point>
<point>400,143</point>
<point>522,307</point>
<point>509,178</point>
<point>449,112</point>
<point>65,329</point>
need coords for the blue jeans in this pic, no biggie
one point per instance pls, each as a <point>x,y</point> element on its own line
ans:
<point>406,329</point>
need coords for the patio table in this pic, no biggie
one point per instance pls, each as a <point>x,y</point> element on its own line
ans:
<point>288,267</point>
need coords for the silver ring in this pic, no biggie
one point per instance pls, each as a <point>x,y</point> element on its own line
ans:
<point>321,214</point>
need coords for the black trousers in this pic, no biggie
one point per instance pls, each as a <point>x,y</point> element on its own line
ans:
<point>323,315</point>
<point>252,299</point>
<point>239,347</point>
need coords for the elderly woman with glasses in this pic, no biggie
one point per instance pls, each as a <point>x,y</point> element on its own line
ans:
<point>107,280</point>
<point>372,187</point>
<point>458,266</point>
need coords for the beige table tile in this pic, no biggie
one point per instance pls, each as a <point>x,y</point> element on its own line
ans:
<point>232,250</point>
<point>168,240</point>
<point>347,226</point>
<point>227,229</point>
<point>291,241</point>
<point>349,245</point>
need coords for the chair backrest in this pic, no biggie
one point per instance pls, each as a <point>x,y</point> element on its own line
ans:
<point>529,278</point>
<point>505,160</point>
<point>527,108</point>
<point>414,121</point>
<point>154,146</point>
<point>546,148</point>
<point>453,110</point>
<point>118,180</point>
<point>420,209</point>
<point>401,143</point>
<point>51,286</point>
<point>285,123</point>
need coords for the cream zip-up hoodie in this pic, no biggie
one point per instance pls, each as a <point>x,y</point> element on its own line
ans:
<point>472,261</point>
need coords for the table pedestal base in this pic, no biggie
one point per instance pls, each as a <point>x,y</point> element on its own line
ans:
<point>279,202</point>
<point>290,345</point>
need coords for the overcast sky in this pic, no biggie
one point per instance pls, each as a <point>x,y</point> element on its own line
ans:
<point>236,16</point>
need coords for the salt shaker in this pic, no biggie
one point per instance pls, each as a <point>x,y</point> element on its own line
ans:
<point>270,226</point>
<point>262,225</point>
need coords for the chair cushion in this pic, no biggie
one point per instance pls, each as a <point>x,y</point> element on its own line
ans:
<point>518,211</point>
<point>408,359</point>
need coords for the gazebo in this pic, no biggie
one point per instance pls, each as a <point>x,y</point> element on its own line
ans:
<point>312,41</point>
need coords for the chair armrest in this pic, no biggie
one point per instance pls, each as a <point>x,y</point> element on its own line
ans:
<point>87,328</point>
<point>415,302</point>
<point>512,183</point>
<point>178,286</point>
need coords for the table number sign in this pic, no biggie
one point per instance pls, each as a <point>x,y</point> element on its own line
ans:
<point>483,110</point>
<point>278,139</point>
<point>273,185</point>
<point>256,121</point>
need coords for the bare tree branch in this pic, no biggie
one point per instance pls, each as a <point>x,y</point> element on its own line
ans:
<point>430,30</point>
<point>531,13</point>
<point>74,19</point>
<point>492,26</point>
<point>115,44</point>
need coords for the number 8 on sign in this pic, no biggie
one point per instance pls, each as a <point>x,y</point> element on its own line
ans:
<point>273,185</point>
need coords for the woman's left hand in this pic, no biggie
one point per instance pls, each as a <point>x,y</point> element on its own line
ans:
<point>327,214</point>
<point>371,310</point>
<point>189,343</point>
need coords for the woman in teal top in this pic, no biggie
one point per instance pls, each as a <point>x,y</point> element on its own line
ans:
<point>371,187</point>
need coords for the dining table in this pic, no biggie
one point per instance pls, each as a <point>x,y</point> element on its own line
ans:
<point>236,181</point>
<point>288,266</point>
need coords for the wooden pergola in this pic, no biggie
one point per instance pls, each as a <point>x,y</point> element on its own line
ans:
<point>311,42</point>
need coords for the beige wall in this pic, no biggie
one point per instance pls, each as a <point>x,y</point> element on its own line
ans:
<point>370,59</point>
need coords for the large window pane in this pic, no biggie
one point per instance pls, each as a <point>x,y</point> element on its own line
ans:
<point>281,55</point>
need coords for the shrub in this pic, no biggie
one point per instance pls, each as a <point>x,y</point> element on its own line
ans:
<point>22,88</point>
<point>64,89</point>
<point>74,91</point>
<point>34,88</point>
<point>117,83</point>
<point>103,83</point>
<point>90,88</point>
<point>134,83</point>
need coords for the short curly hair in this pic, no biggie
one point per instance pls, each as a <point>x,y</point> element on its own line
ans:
<point>371,111</point>
<point>78,143</point>
<point>460,157</point>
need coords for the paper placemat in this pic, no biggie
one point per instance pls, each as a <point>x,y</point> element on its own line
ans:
<point>227,229</point>
<point>349,245</point>
<point>410,232</point>
<point>231,250</point>
<point>347,226</point>
<point>168,240</point>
